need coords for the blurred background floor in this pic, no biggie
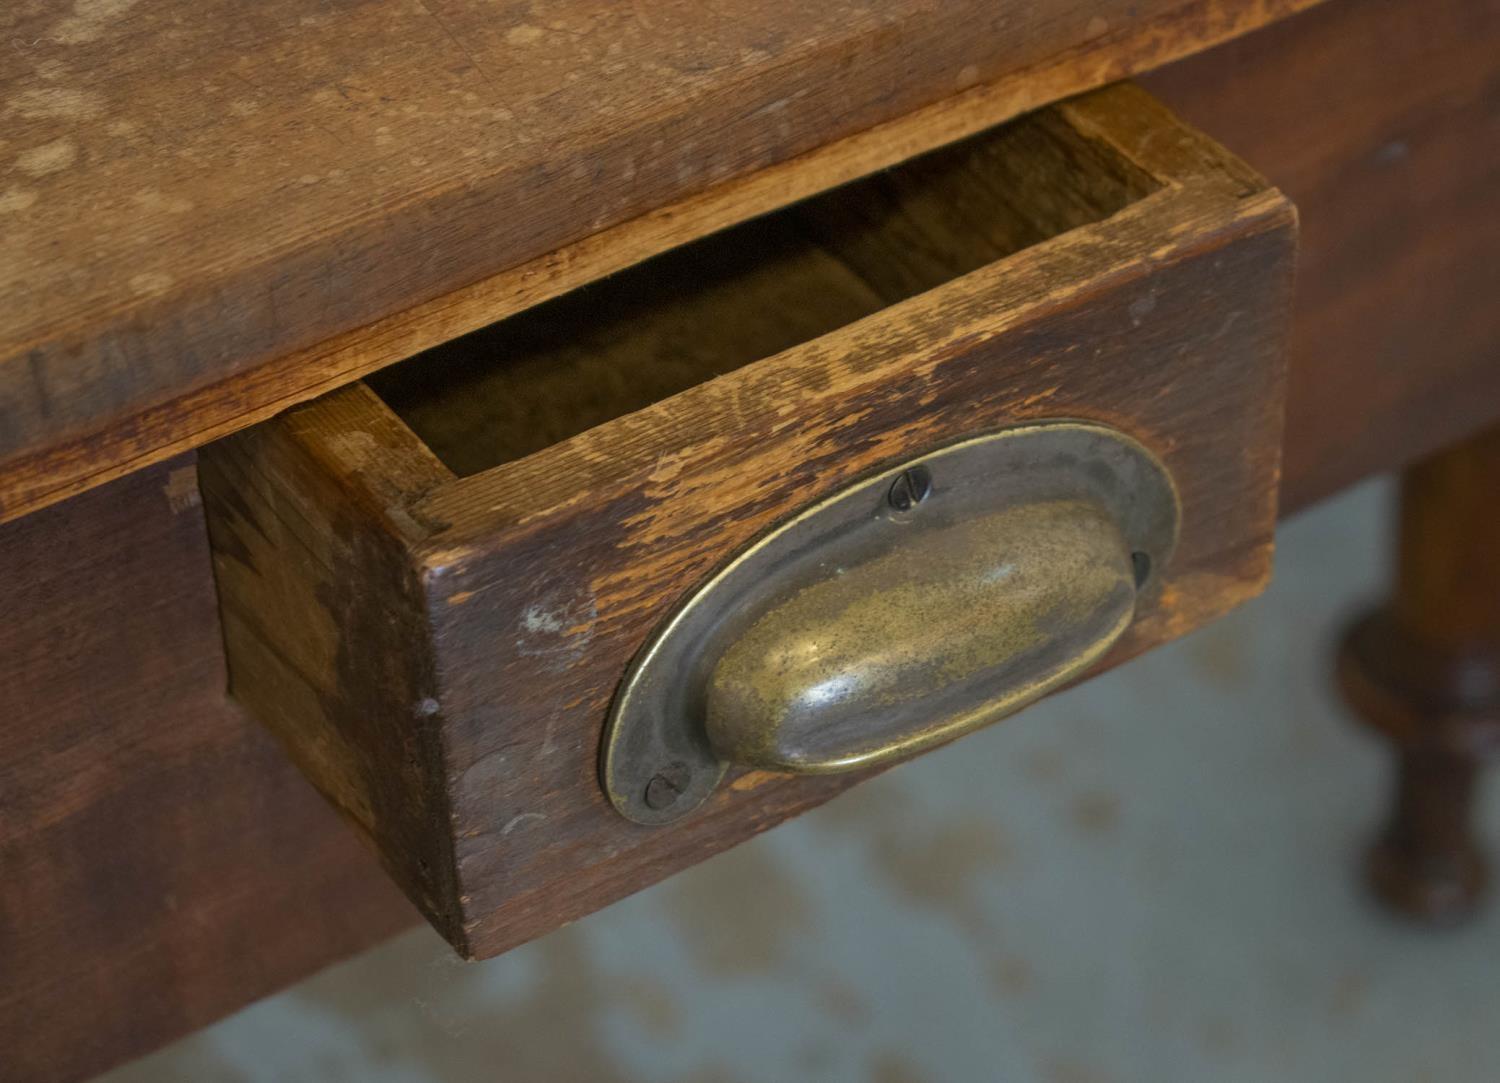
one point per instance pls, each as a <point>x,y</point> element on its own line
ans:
<point>1149,878</point>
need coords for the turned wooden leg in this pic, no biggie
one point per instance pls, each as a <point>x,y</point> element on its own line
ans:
<point>1424,669</point>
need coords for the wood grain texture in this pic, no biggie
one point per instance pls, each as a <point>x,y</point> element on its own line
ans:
<point>160,861</point>
<point>1395,167</point>
<point>76,1003</point>
<point>542,576</point>
<point>278,496</point>
<point>749,292</point>
<point>214,211</point>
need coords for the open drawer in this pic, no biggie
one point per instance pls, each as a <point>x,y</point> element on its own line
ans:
<point>433,582</point>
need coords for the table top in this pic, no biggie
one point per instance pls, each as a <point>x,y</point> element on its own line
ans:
<point>192,190</point>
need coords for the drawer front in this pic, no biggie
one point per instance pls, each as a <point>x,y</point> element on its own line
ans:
<point>433,583</point>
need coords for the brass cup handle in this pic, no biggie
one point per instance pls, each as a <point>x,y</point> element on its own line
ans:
<point>923,642</point>
<point>902,612</point>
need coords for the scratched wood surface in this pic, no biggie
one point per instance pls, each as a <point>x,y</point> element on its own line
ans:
<point>197,198</point>
<point>451,703</point>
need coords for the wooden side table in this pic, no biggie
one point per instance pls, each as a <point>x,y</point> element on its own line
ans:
<point>218,224</point>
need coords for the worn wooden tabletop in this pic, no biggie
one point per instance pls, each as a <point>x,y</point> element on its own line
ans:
<point>190,190</point>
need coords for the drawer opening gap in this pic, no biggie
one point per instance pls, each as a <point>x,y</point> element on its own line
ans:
<point>696,312</point>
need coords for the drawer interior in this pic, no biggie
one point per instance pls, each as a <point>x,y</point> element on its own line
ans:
<point>751,291</point>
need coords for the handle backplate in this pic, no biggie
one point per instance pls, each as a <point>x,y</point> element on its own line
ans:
<point>909,608</point>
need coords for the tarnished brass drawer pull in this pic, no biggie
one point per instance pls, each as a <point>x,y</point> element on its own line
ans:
<point>903,611</point>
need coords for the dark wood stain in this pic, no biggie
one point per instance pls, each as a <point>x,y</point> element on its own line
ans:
<point>162,861</point>
<point>1424,670</point>
<point>1395,169</point>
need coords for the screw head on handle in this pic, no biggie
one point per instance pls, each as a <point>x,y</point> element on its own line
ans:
<point>911,487</point>
<point>666,786</point>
